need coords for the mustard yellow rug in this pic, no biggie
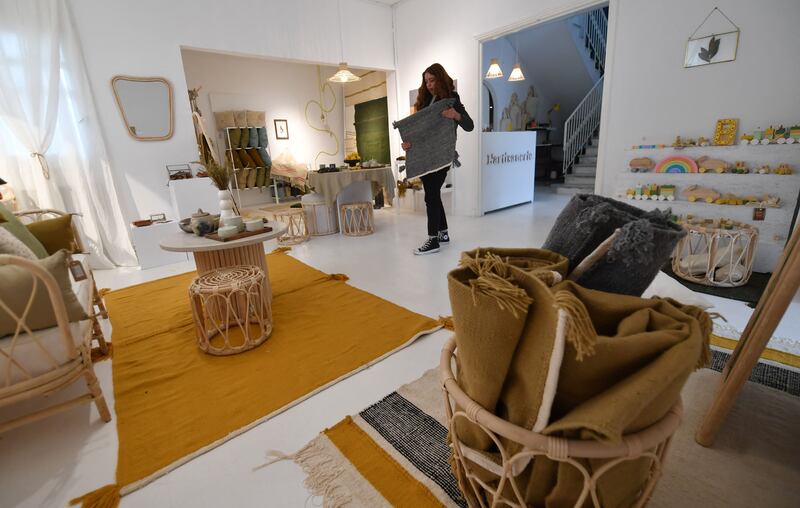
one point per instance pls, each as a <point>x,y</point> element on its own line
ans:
<point>174,402</point>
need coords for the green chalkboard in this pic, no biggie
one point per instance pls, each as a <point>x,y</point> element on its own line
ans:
<point>372,130</point>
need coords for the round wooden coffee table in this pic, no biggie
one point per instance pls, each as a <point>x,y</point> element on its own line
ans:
<point>211,254</point>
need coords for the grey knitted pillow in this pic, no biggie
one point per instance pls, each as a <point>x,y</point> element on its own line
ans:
<point>635,257</point>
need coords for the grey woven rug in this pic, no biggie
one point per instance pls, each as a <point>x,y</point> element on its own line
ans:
<point>432,138</point>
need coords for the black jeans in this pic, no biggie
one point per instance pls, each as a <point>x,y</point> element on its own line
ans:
<point>432,185</point>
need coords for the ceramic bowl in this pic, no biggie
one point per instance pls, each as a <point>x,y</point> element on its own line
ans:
<point>227,231</point>
<point>254,225</point>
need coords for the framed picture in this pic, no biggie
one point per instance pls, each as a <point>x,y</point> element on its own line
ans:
<point>716,48</point>
<point>281,129</point>
<point>725,132</point>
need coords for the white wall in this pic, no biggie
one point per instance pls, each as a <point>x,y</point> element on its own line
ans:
<point>651,97</point>
<point>280,89</point>
<point>429,31</point>
<point>144,38</point>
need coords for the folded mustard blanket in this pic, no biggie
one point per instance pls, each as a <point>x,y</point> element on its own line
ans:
<point>618,367</point>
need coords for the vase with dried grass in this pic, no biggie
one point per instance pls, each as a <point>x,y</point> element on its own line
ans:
<point>221,178</point>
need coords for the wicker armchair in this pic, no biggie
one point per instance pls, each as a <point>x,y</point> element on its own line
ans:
<point>38,363</point>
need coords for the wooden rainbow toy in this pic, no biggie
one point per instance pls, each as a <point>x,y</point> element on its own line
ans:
<point>677,164</point>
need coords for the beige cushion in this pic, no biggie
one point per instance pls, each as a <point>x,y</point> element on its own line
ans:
<point>28,349</point>
<point>10,244</point>
<point>240,118</point>
<point>224,119</point>
<point>256,118</point>
<point>18,229</point>
<point>17,287</point>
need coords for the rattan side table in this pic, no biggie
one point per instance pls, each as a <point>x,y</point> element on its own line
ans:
<point>231,303</point>
<point>296,229</point>
<point>355,219</point>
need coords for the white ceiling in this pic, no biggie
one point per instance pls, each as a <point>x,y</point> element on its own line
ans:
<point>388,2</point>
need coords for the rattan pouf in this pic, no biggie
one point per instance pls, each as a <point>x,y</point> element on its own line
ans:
<point>355,219</point>
<point>321,216</point>
<point>650,443</point>
<point>716,254</point>
<point>230,303</point>
<point>295,220</point>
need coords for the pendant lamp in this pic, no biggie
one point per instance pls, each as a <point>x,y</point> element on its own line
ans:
<point>494,70</point>
<point>516,73</point>
<point>343,75</point>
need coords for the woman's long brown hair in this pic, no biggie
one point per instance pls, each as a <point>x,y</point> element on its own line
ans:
<point>444,85</point>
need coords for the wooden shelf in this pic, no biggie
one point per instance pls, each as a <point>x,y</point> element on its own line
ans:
<point>718,147</point>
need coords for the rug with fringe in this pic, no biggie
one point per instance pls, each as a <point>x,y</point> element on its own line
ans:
<point>395,452</point>
<point>174,402</point>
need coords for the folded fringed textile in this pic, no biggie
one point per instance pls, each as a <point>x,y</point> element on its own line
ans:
<point>618,367</point>
<point>263,144</point>
<point>644,243</point>
<point>432,138</point>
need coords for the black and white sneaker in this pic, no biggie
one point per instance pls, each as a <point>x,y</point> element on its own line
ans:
<point>430,246</point>
<point>443,237</point>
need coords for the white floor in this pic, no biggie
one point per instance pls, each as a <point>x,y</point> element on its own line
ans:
<point>51,461</point>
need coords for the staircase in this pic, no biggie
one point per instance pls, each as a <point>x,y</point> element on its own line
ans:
<point>581,128</point>
<point>581,177</point>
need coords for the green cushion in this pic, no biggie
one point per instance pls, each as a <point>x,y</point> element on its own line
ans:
<point>16,290</point>
<point>18,229</point>
<point>55,234</point>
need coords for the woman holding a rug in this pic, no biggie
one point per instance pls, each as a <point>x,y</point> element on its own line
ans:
<point>436,85</point>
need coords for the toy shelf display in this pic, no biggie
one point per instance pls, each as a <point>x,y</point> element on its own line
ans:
<point>765,200</point>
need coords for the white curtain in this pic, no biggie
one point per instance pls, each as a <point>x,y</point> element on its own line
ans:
<point>48,124</point>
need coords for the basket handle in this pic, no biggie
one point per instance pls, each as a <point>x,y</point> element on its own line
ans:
<point>590,260</point>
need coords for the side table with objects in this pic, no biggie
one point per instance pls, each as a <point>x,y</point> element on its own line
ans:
<point>211,254</point>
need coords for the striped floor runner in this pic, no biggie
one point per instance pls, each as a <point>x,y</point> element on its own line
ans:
<point>394,453</point>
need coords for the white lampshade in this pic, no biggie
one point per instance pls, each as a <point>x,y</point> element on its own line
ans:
<point>516,74</point>
<point>344,75</point>
<point>494,70</point>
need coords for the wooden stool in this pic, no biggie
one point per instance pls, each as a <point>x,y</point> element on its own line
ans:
<point>295,219</point>
<point>355,219</point>
<point>231,302</point>
<point>320,219</point>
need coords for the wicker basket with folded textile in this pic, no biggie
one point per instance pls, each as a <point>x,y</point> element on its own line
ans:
<point>563,395</point>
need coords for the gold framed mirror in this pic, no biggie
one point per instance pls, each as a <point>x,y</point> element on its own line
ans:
<point>146,106</point>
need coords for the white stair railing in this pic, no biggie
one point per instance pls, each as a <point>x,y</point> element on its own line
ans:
<point>596,31</point>
<point>581,124</point>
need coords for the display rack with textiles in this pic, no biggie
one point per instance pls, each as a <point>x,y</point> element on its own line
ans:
<point>247,150</point>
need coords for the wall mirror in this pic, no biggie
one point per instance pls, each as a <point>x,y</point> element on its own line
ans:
<point>145,105</point>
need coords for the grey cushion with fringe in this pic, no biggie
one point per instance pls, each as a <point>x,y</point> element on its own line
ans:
<point>645,243</point>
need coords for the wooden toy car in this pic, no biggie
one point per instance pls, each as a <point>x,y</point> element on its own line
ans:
<point>730,199</point>
<point>705,164</point>
<point>666,193</point>
<point>694,192</point>
<point>642,164</point>
<point>740,168</point>
<point>783,169</point>
<point>763,170</point>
